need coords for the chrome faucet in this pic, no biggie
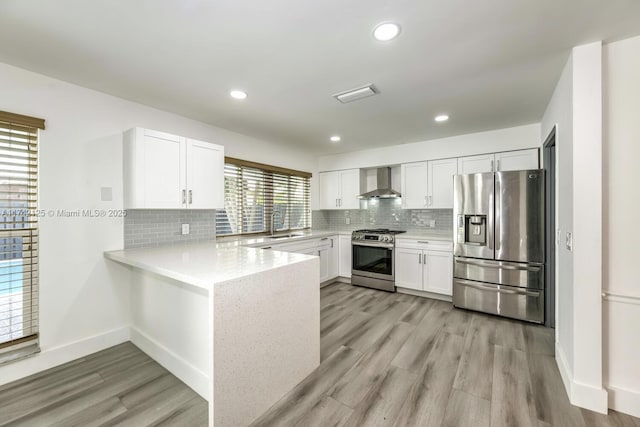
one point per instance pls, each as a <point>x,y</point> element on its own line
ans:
<point>273,220</point>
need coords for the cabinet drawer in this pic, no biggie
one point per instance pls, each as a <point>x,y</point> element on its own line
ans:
<point>425,244</point>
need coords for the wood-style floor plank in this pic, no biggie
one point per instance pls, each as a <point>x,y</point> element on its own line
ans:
<point>467,410</point>
<point>512,398</point>
<point>549,396</point>
<point>382,405</point>
<point>427,400</point>
<point>364,375</point>
<point>327,412</point>
<point>387,359</point>
<point>475,373</point>
<point>295,404</point>
<point>416,349</point>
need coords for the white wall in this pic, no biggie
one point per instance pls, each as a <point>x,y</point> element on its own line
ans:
<point>576,108</point>
<point>621,202</point>
<point>559,113</point>
<point>463,145</point>
<point>84,299</point>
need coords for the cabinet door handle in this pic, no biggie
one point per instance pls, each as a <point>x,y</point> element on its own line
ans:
<point>331,243</point>
<point>430,200</point>
<point>424,259</point>
<point>184,197</point>
<point>339,203</point>
<point>426,202</point>
<point>498,165</point>
<point>336,203</point>
<point>419,258</point>
<point>190,196</point>
<point>491,165</point>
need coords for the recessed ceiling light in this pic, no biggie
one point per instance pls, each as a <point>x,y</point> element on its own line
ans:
<point>238,94</point>
<point>441,118</point>
<point>335,138</point>
<point>386,31</point>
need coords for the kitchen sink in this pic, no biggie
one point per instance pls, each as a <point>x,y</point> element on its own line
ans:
<point>286,236</point>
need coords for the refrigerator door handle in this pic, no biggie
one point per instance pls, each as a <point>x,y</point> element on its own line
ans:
<point>502,267</point>
<point>497,289</point>
<point>498,216</point>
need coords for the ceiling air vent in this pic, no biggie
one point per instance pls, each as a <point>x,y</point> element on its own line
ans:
<point>356,94</point>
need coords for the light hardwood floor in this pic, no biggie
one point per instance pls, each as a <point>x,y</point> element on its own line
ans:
<point>118,386</point>
<point>387,360</point>
<point>398,360</point>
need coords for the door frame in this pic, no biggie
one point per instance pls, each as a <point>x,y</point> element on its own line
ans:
<point>550,163</point>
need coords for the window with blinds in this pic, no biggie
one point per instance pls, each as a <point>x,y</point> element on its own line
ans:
<point>18,229</point>
<point>255,193</point>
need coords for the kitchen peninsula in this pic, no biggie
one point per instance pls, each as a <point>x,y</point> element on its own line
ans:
<point>239,325</point>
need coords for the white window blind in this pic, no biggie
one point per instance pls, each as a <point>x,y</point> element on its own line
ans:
<point>18,228</point>
<point>253,192</point>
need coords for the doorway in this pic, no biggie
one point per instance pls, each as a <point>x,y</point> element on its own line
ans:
<point>549,167</point>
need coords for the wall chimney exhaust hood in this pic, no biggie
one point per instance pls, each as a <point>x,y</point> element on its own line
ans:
<point>383,188</point>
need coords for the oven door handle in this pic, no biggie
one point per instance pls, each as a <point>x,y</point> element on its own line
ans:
<point>374,245</point>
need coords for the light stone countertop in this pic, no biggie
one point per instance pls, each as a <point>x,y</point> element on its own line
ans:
<point>226,258</point>
<point>257,241</point>
<point>204,264</point>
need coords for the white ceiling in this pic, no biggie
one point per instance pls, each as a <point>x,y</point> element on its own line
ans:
<point>488,64</point>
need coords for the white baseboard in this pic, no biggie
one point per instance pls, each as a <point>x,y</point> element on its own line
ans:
<point>52,357</point>
<point>424,294</point>
<point>582,395</point>
<point>626,401</point>
<point>185,371</point>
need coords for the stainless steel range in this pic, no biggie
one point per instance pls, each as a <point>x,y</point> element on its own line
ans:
<point>373,258</point>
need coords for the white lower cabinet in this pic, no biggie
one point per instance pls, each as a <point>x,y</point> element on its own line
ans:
<point>344,263</point>
<point>424,266</point>
<point>334,252</point>
<point>409,268</point>
<point>334,256</point>
<point>320,247</point>
<point>323,253</point>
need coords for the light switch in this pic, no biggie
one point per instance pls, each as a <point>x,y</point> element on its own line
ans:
<point>185,229</point>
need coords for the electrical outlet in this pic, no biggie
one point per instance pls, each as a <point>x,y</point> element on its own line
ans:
<point>432,223</point>
<point>185,229</point>
<point>347,220</point>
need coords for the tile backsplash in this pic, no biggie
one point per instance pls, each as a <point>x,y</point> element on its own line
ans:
<point>386,213</point>
<point>157,227</point>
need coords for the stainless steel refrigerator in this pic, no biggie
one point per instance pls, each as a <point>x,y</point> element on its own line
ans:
<point>499,243</point>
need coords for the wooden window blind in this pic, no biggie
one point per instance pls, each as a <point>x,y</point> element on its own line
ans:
<point>18,228</point>
<point>254,191</point>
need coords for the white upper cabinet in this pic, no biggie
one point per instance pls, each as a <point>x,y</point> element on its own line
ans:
<point>164,171</point>
<point>205,175</point>
<point>475,164</point>
<point>517,160</point>
<point>339,189</point>
<point>499,162</point>
<point>413,185</point>
<point>428,185</point>
<point>440,183</point>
